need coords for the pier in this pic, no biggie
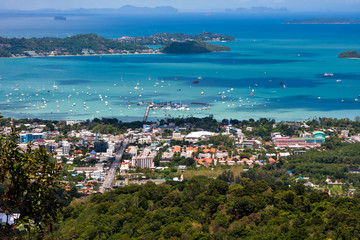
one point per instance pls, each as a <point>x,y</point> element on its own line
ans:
<point>147,112</point>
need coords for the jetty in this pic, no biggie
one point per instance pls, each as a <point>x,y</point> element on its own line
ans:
<point>149,105</point>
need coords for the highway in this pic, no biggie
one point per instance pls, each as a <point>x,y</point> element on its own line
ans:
<point>106,186</point>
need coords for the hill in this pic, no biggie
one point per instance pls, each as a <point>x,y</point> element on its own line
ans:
<point>191,46</point>
<point>349,54</point>
<point>165,38</point>
<point>78,44</point>
<point>204,208</point>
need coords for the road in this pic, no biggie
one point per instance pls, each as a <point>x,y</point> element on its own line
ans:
<point>106,186</point>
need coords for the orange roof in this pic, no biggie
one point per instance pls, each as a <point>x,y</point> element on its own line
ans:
<point>204,160</point>
<point>245,160</point>
<point>252,158</point>
<point>67,186</point>
<point>213,150</point>
<point>206,150</point>
<point>228,159</point>
<point>271,160</point>
<point>177,149</point>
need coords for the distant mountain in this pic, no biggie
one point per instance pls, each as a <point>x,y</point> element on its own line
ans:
<point>324,21</point>
<point>191,47</point>
<point>127,9</point>
<point>261,10</point>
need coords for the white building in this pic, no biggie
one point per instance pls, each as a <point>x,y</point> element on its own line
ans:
<point>65,148</point>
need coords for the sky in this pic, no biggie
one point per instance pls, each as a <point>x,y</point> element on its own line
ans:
<point>188,5</point>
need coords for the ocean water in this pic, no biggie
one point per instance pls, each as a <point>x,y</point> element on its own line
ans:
<point>273,71</point>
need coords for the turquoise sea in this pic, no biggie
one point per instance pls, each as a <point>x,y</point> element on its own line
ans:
<point>282,65</point>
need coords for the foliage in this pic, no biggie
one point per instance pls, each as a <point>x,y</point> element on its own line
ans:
<point>72,45</point>
<point>165,38</point>
<point>349,54</point>
<point>192,47</point>
<point>29,181</point>
<point>203,208</point>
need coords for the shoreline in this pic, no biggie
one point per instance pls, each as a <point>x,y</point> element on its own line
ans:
<point>83,55</point>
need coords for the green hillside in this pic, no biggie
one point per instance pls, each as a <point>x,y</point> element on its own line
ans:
<point>70,45</point>
<point>349,54</point>
<point>189,47</point>
<point>204,208</point>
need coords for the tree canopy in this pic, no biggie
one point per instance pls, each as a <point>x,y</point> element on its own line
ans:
<point>28,184</point>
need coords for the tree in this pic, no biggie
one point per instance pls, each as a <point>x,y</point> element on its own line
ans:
<point>29,181</point>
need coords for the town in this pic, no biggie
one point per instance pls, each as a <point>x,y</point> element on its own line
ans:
<point>94,160</point>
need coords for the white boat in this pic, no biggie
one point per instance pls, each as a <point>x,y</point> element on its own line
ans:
<point>328,74</point>
<point>339,80</point>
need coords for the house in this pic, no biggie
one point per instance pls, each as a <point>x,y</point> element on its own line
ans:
<point>309,184</point>
<point>125,166</point>
<point>12,218</point>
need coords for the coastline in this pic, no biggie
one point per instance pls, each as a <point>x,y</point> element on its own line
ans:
<point>83,55</point>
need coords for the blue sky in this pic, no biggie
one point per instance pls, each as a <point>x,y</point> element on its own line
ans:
<point>187,5</point>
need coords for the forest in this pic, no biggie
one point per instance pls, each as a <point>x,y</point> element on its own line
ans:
<point>203,208</point>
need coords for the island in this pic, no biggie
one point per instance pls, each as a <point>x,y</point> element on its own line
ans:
<point>191,47</point>
<point>165,38</point>
<point>324,21</point>
<point>349,54</point>
<point>91,44</point>
<point>81,44</point>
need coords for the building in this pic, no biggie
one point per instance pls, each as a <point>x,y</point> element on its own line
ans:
<point>195,136</point>
<point>283,142</point>
<point>319,134</point>
<point>11,219</point>
<point>145,159</point>
<point>147,128</point>
<point>27,137</point>
<point>65,148</point>
<point>100,146</point>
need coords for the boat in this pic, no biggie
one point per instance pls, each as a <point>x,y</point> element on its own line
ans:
<point>339,80</point>
<point>195,81</point>
<point>328,74</point>
<point>60,18</point>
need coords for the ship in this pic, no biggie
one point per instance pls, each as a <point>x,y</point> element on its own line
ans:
<point>59,18</point>
<point>195,81</point>
<point>328,74</point>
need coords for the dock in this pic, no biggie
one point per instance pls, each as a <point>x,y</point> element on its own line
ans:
<point>147,112</point>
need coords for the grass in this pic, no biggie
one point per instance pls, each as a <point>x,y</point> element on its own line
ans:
<point>237,170</point>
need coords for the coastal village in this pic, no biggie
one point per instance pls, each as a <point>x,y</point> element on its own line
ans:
<point>159,152</point>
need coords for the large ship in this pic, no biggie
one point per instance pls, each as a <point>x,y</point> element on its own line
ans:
<point>328,74</point>
<point>59,18</point>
